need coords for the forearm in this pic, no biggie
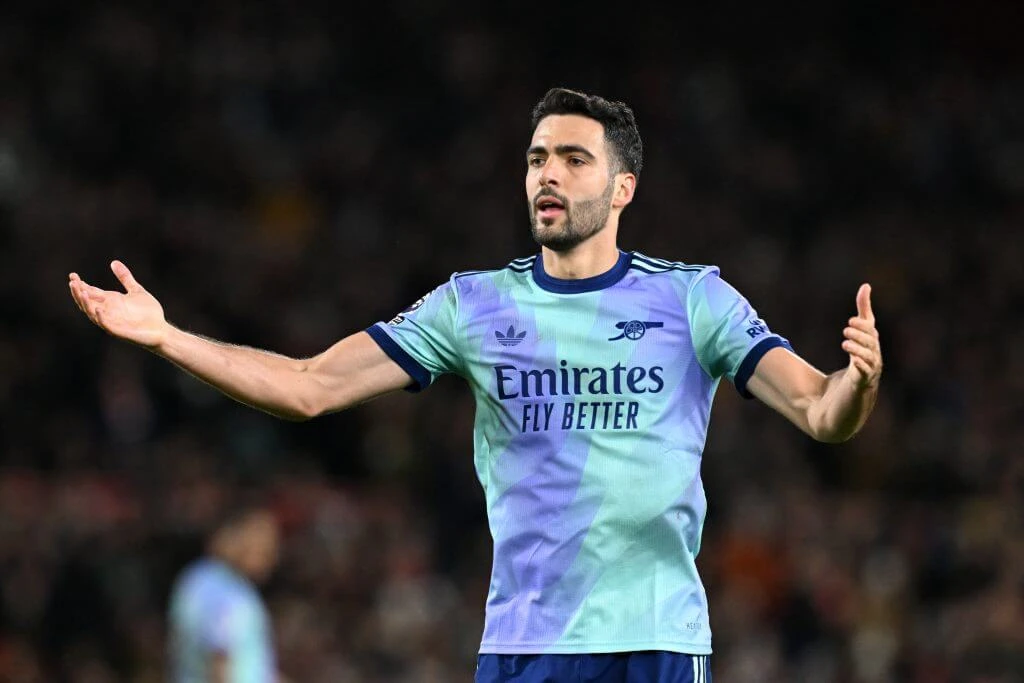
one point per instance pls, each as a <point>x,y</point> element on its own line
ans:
<point>273,383</point>
<point>842,409</point>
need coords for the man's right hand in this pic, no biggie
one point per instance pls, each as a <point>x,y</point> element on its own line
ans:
<point>351,371</point>
<point>135,315</point>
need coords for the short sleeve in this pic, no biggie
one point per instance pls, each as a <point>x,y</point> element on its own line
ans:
<point>422,338</point>
<point>728,335</point>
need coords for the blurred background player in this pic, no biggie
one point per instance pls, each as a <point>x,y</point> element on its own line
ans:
<point>220,630</point>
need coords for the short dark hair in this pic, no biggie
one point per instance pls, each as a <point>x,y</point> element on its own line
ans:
<point>241,507</point>
<point>620,129</point>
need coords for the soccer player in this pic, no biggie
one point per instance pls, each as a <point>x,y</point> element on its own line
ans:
<point>220,631</point>
<point>594,371</point>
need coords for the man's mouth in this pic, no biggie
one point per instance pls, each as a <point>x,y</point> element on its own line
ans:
<point>549,207</point>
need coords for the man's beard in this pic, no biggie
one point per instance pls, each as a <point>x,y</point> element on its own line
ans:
<point>583,220</point>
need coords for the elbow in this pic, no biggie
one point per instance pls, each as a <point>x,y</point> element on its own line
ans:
<point>318,393</point>
<point>291,413</point>
<point>832,438</point>
<point>309,396</point>
<point>319,401</point>
<point>835,435</point>
<point>818,428</point>
<point>305,410</point>
<point>300,405</point>
<point>297,416</point>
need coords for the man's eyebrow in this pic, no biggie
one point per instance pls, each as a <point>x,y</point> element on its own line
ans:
<point>562,150</point>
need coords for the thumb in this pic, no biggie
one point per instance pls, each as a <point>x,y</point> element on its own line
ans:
<point>864,302</point>
<point>122,273</point>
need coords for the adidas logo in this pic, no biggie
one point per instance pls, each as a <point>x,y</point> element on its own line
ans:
<point>510,338</point>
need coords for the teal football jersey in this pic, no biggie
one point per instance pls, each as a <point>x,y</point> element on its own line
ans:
<point>592,404</point>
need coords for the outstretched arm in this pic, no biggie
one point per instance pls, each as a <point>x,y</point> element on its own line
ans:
<point>351,371</point>
<point>832,407</point>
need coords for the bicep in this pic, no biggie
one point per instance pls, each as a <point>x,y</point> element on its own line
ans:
<point>354,370</point>
<point>788,384</point>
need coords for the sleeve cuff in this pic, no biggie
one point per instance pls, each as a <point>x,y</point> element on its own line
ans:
<point>754,356</point>
<point>419,374</point>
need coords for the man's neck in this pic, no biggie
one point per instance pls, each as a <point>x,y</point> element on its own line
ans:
<point>595,256</point>
<point>227,558</point>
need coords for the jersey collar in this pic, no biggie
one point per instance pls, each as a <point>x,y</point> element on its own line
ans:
<point>587,284</point>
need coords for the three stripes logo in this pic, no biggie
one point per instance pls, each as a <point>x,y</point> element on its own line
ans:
<point>511,337</point>
<point>700,669</point>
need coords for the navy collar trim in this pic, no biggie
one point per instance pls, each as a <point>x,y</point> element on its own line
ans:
<point>587,284</point>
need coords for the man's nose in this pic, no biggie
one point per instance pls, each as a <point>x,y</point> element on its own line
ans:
<point>549,175</point>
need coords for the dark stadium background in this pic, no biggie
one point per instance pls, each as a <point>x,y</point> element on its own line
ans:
<point>281,175</point>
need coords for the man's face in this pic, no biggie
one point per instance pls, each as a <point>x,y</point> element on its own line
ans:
<point>260,545</point>
<point>568,181</point>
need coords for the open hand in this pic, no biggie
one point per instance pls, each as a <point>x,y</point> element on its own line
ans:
<point>862,343</point>
<point>135,315</point>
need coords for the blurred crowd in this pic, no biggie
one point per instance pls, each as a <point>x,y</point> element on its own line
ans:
<point>281,176</point>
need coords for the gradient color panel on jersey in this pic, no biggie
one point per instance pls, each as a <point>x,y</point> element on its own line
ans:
<point>214,610</point>
<point>592,405</point>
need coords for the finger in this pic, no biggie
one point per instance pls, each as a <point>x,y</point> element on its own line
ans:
<point>857,351</point>
<point>87,307</point>
<point>862,338</point>
<point>73,277</point>
<point>76,296</point>
<point>864,302</point>
<point>862,367</point>
<point>93,293</point>
<point>81,294</point>
<point>125,276</point>
<point>863,325</point>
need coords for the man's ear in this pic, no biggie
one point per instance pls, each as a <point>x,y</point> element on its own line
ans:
<point>625,188</point>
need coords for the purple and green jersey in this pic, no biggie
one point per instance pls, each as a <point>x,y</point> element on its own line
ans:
<point>216,611</point>
<point>592,405</point>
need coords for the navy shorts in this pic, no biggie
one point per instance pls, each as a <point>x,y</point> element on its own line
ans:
<point>622,667</point>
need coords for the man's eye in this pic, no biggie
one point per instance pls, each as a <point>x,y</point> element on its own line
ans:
<point>577,161</point>
<point>536,162</point>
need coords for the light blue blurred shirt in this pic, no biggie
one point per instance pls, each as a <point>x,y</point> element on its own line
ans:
<point>214,609</point>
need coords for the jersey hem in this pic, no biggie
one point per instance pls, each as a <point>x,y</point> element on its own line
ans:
<point>594,648</point>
